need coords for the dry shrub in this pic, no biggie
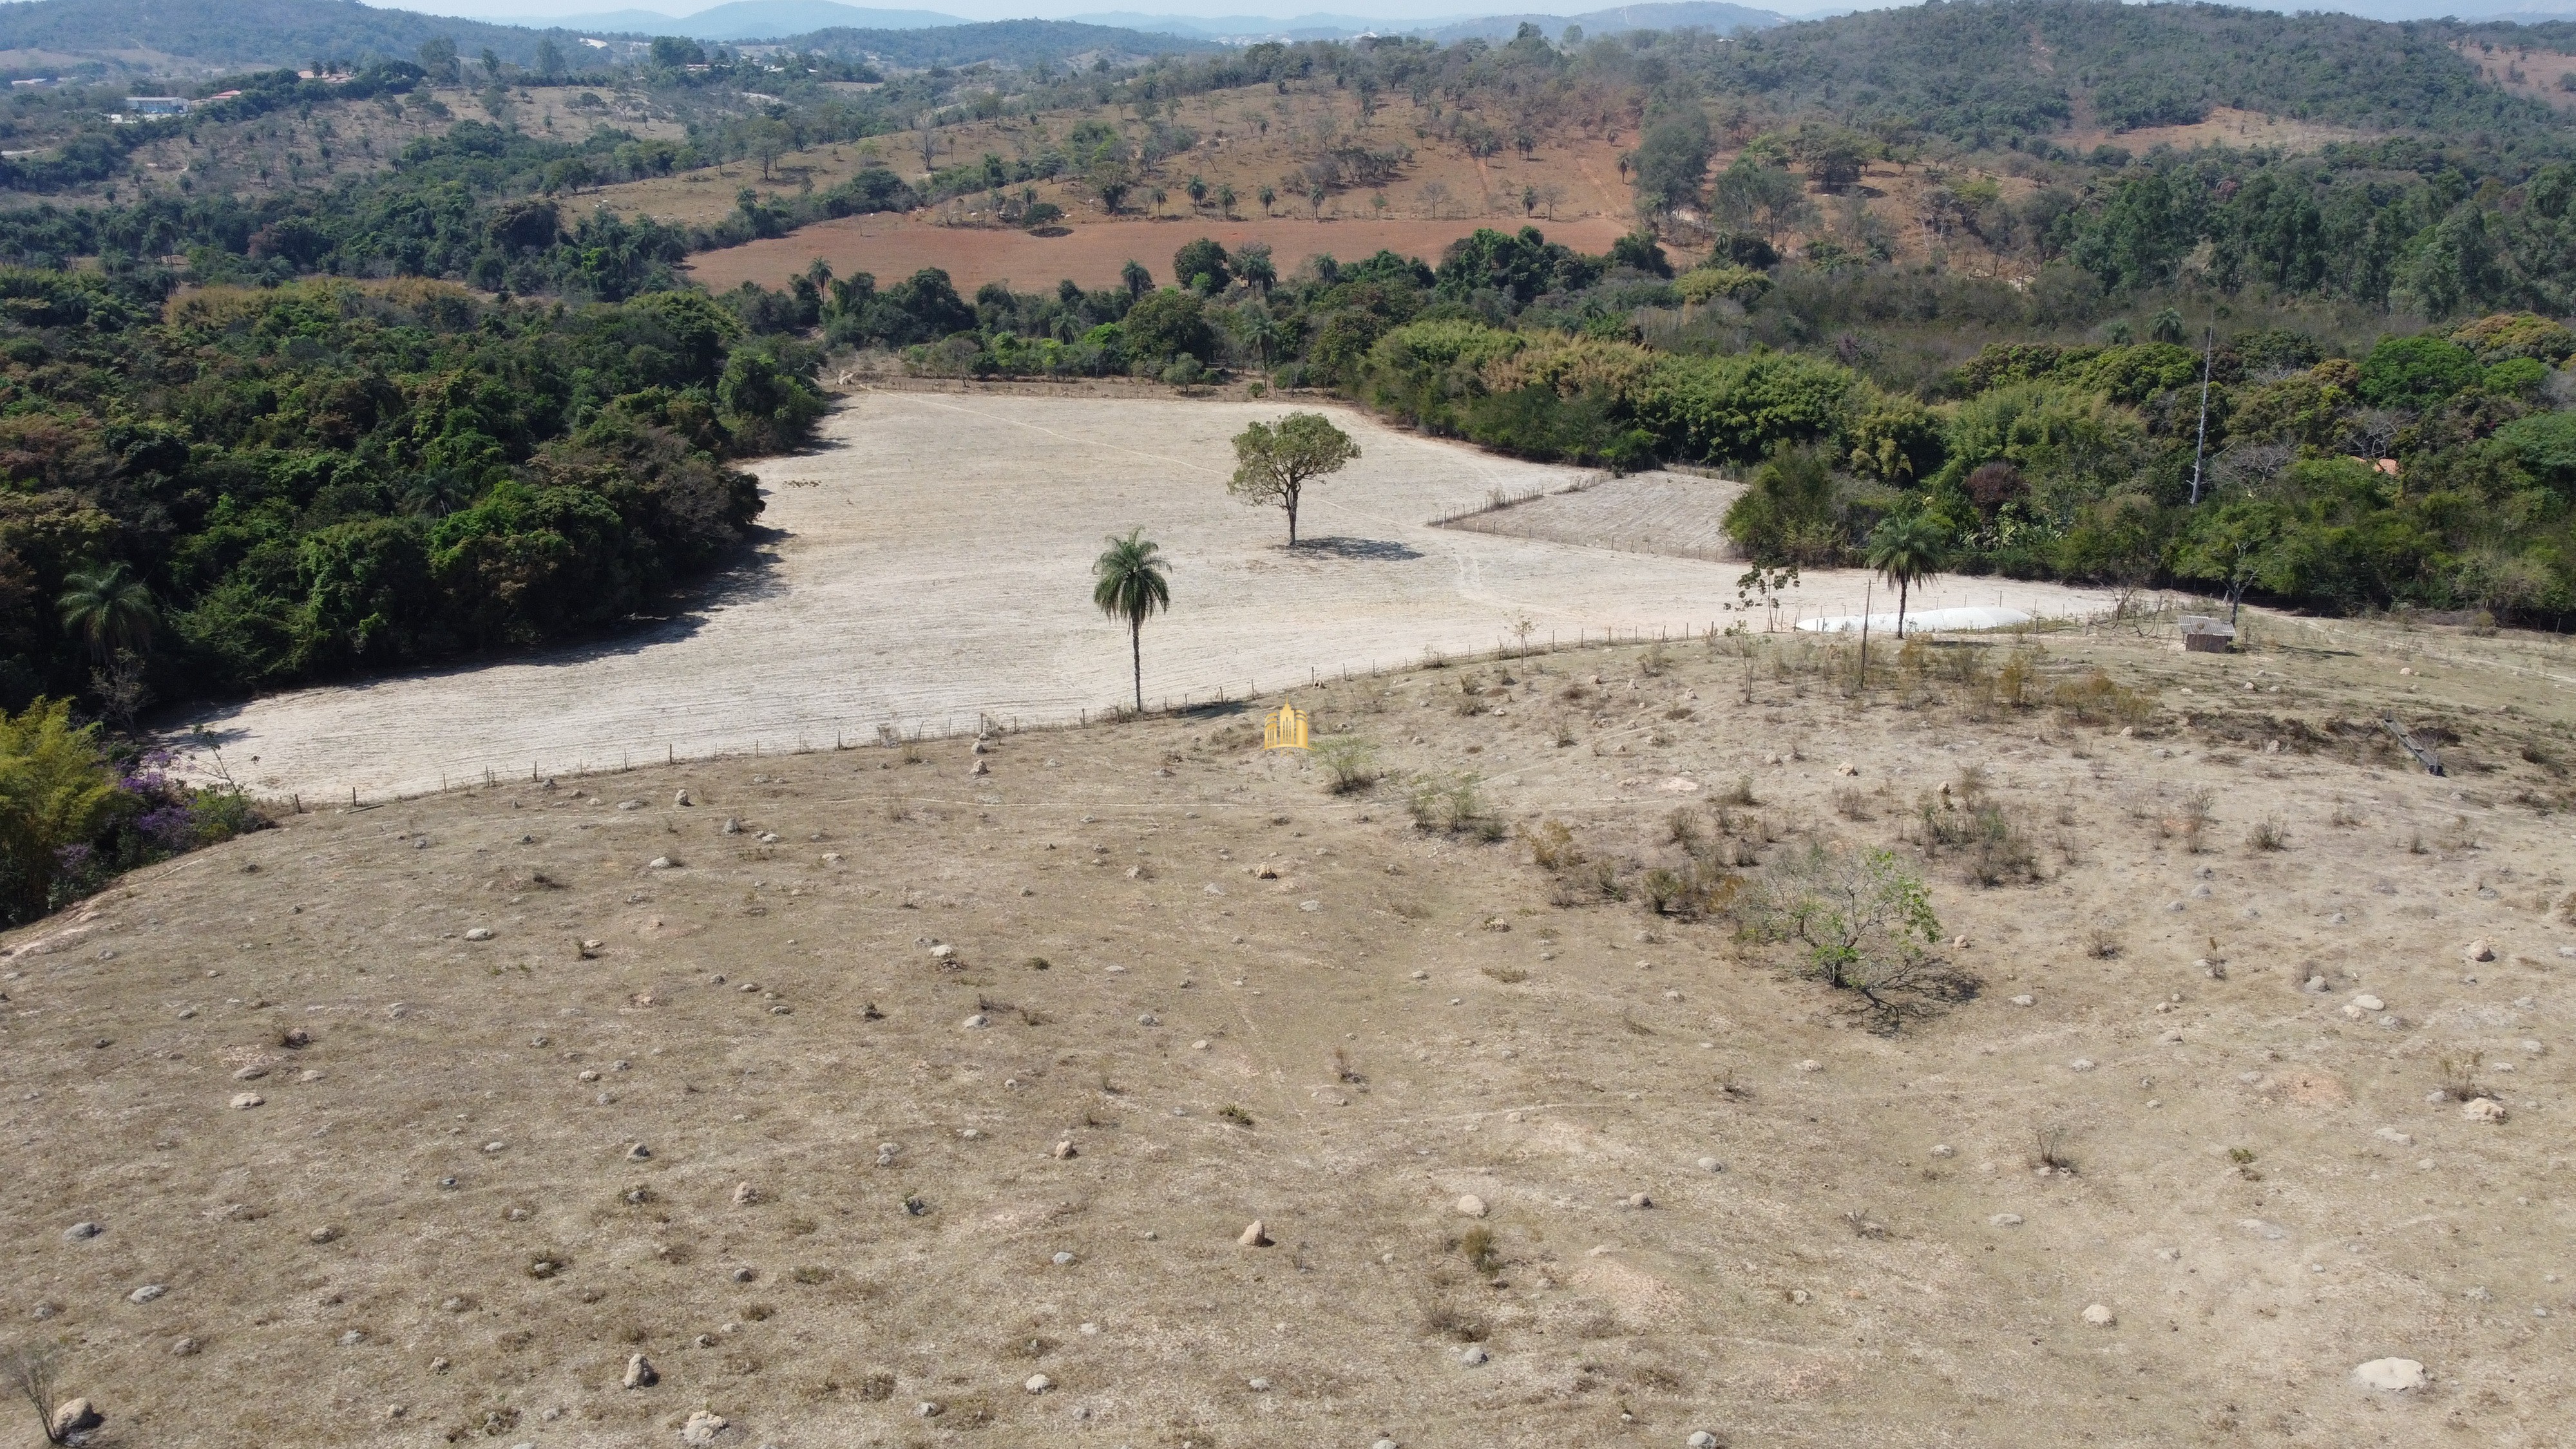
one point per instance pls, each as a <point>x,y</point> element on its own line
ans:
<point>1740,793</point>
<point>1350,765</point>
<point>1451,804</point>
<point>1852,803</point>
<point>1574,878</point>
<point>1477,1246</point>
<point>1695,889</point>
<point>1992,845</point>
<point>2095,699</point>
<point>1682,827</point>
<point>2048,1149</point>
<point>2460,1075</point>
<point>2015,682</point>
<point>2102,943</point>
<point>2268,835</point>
<point>2192,823</point>
<point>1551,846</point>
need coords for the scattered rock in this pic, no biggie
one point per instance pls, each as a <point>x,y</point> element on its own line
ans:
<point>1474,1355</point>
<point>1471,1206</point>
<point>73,1416</point>
<point>1942,1149</point>
<point>1640,1200</point>
<point>146,1293</point>
<point>2479,950</point>
<point>2024,999</point>
<point>639,1372</point>
<point>744,1194</point>
<point>638,1152</point>
<point>2080,1064</point>
<point>2100,1317</point>
<point>1062,1260</point>
<point>977,1022</point>
<point>2482,1109</point>
<point>479,933</point>
<point>1064,1150</point>
<point>1811,1065</point>
<point>2004,1220</point>
<point>1038,1384</point>
<point>702,1428</point>
<point>682,800</point>
<point>2390,1375</point>
<point>926,1409</point>
<point>82,1232</point>
<point>2368,1002</point>
<point>244,1101</point>
<point>1254,1236</point>
<point>942,952</point>
<point>1711,1164</point>
<point>2391,1134</point>
<point>659,862</point>
<point>184,1348</point>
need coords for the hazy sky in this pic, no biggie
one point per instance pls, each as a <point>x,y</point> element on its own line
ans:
<point>1395,10</point>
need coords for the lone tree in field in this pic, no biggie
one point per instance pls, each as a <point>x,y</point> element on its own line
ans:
<point>1907,549</point>
<point>1273,465</point>
<point>1132,586</point>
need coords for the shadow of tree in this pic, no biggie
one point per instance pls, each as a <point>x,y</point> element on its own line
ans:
<point>1375,550</point>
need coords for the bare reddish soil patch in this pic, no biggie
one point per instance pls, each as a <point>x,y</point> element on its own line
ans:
<point>1090,255</point>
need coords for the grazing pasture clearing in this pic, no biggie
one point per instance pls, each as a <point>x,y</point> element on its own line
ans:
<point>930,560</point>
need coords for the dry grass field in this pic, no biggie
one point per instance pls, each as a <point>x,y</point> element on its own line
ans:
<point>2225,126</point>
<point>930,561</point>
<point>876,1102</point>
<point>2531,74</point>
<point>1661,513</point>
<point>1249,137</point>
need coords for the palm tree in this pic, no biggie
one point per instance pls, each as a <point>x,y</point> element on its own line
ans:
<point>1906,549</point>
<point>110,607</point>
<point>1131,587</point>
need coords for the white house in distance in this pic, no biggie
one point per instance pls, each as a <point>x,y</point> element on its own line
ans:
<point>149,108</point>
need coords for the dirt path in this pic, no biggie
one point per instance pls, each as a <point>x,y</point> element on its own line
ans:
<point>932,561</point>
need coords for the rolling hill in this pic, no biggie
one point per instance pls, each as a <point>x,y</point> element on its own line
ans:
<point>249,32</point>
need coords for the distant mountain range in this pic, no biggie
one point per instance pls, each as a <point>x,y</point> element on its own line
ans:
<point>773,20</point>
<point>227,33</point>
<point>203,37</point>
<point>751,20</point>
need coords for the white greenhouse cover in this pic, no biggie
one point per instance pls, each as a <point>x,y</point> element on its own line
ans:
<point>1920,621</point>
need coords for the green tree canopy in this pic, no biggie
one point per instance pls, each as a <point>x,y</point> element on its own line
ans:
<point>1274,464</point>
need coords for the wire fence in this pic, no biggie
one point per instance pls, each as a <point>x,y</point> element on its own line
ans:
<point>985,725</point>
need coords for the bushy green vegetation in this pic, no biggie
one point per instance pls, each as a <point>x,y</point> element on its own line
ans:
<point>324,477</point>
<point>75,812</point>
